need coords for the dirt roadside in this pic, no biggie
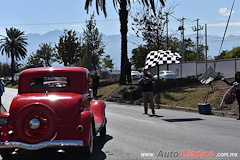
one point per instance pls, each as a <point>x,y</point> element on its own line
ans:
<point>217,87</point>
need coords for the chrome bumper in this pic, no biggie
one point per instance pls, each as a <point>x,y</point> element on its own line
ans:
<point>45,144</point>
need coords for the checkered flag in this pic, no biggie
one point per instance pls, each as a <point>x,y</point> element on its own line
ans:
<point>152,59</point>
<point>161,57</point>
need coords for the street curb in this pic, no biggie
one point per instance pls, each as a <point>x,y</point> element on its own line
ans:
<point>214,112</point>
<point>178,108</point>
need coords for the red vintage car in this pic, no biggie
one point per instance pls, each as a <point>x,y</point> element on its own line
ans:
<point>53,109</point>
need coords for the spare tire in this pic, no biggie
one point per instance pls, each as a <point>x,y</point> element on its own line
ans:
<point>36,123</point>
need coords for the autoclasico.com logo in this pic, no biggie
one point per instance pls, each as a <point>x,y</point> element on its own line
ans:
<point>189,154</point>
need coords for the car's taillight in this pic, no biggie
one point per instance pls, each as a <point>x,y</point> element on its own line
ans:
<point>4,118</point>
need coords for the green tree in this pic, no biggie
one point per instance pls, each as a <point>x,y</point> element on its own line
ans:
<point>151,25</point>
<point>14,46</point>
<point>5,70</point>
<point>190,54</point>
<point>107,62</point>
<point>138,56</point>
<point>122,7</point>
<point>84,62</point>
<point>234,53</point>
<point>92,43</point>
<point>190,51</point>
<point>34,60</point>
<point>44,57</point>
<point>46,54</point>
<point>140,53</point>
<point>68,48</point>
<point>174,44</point>
<point>17,67</point>
<point>1,69</point>
<point>221,56</point>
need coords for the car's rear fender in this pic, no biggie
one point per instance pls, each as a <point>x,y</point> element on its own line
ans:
<point>82,126</point>
<point>98,109</point>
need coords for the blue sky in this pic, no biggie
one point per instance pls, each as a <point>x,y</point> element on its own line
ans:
<point>42,16</point>
<point>214,13</point>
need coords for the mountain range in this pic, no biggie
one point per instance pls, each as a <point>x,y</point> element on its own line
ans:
<point>113,44</point>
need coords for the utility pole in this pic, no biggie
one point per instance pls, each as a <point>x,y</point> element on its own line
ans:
<point>206,47</point>
<point>197,29</point>
<point>166,14</point>
<point>181,28</point>
<point>182,48</point>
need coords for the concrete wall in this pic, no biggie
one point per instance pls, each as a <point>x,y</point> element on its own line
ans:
<point>227,68</point>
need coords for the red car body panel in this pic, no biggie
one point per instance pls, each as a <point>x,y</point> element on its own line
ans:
<point>98,108</point>
<point>79,78</point>
<point>52,115</point>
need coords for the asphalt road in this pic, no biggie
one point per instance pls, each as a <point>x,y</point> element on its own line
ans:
<point>167,135</point>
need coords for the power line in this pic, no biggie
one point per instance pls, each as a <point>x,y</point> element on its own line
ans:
<point>57,23</point>
<point>226,27</point>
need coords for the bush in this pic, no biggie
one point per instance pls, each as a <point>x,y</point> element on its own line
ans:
<point>165,84</point>
<point>104,83</point>
<point>157,99</point>
<point>135,92</point>
<point>132,93</point>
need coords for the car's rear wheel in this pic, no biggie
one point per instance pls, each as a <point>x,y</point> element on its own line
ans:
<point>104,129</point>
<point>88,150</point>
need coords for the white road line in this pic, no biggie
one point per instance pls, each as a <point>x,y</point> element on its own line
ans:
<point>112,114</point>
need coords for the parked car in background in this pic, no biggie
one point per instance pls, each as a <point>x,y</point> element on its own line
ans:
<point>136,74</point>
<point>54,108</point>
<point>165,75</point>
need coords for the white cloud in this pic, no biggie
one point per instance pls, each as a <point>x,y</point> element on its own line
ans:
<point>225,11</point>
<point>233,24</point>
<point>76,25</point>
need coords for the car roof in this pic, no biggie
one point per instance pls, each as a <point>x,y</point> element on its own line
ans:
<point>78,76</point>
<point>51,69</point>
<point>166,71</point>
<point>136,71</point>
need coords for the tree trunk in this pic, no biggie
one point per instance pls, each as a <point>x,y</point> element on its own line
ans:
<point>123,15</point>
<point>94,63</point>
<point>12,66</point>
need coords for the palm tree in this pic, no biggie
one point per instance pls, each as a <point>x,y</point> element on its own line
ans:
<point>123,16</point>
<point>14,46</point>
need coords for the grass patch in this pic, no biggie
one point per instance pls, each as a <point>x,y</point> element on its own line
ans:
<point>189,97</point>
<point>12,86</point>
<point>104,92</point>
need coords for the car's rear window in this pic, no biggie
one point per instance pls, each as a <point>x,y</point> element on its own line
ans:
<point>43,82</point>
